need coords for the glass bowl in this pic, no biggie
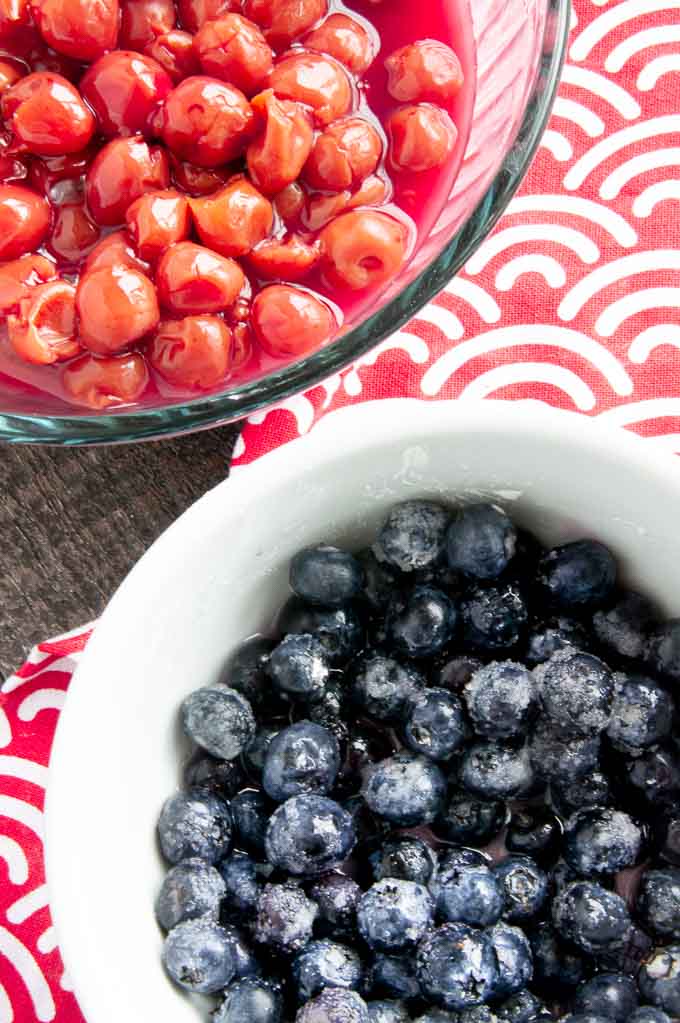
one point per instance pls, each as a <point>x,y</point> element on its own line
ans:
<point>519,48</point>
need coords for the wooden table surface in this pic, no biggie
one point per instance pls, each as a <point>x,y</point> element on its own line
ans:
<point>73,522</point>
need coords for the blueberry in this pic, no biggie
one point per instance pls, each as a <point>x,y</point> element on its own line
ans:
<point>576,691</point>
<point>405,789</point>
<point>285,917</point>
<point>500,698</point>
<point>334,1005</point>
<point>254,756</point>
<point>337,897</point>
<point>368,744</point>
<point>382,687</point>
<point>648,1014</point>
<point>524,886</point>
<point>309,835</point>
<point>468,894</point>
<point>557,967</point>
<point>394,914</point>
<point>405,857</point>
<point>302,758</point>
<point>522,1007</point>
<point>652,776</point>
<point>471,821</point>
<point>453,858</point>
<point>198,955</point>
<point>395,976</point>
<point>589,789</point>
<point>435,724</point>
<point>194,823</point>
<point>250,1000</point>
<point>299,666</point>
<point>251,812</point>
<point>590,917</point>
<point>494,771</point>
<point>219,720</point>
<point>555,634</point>
<point>535,832</point>
<point>339,630</point>
<point>240,880</point>
<point>600,840</point>
<point>455,672</point>
<point>414,535</point>
<point>393,1011</point>
<point>642,713</point>
<point>438,1016</point>
<point>380,581</point>
<point>246,670</point>
<point>190,889</point>
<point>659,979</point>
<point>515,959</point>
<point>323,964</point>
<point>221,777</point>
<point>555,758</point>
<point>658,902</point>
<point>325,575</point>
<point>245,962</point>
<point>421,622</point>
<point>663,650</point>
<point>578,575</point>
<point>494,617</point>
<point>625,624</point>
<point>480,541</point>
<point>612,995</point>
<point>666,832</point>
<point>457,966</point>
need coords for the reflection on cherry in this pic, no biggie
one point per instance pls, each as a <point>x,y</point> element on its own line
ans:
<point>101,383</point>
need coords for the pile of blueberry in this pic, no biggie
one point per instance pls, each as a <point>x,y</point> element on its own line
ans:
<point>446,790</point>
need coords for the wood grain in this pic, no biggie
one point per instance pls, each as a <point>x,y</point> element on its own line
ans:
<point>73,522</point>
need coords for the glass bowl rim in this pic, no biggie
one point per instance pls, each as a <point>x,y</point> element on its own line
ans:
<point>218,409</point>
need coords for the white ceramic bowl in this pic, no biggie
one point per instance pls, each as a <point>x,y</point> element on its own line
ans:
<point>218,574</point>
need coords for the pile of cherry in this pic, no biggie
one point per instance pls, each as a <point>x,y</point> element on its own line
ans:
<point>170,177</point>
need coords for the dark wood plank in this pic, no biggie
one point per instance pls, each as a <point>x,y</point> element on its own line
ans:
<point>73,522</point>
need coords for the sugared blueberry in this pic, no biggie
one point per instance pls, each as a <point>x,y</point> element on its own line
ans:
<point>591,917</point>
<point>625,624</point>
<point>221,777</point>
<point>494,771</point>
<point>250,812</point>
<point>198,955</point>
<point>494,617</point>
<point>240,878</point>
<point>557,967</point>
<point>253,758</point>
<point>663,649</point>
<point>338,629</point>
<point>561,633</point>
<point>657,904</point>
<point>650,777</point>
<point>302,758</point>
<point>420,622</point>
<point>219,720</point>
<point>299,666</point>
<point>642,713</point>
<point>500,699</point>
<point>567,759</point>
<point>394,914</point>
<point>405,857</point>
<point>387,1011</point>
<point>591,788</point>
<point>524,886</point>
<point>190,889</point>
<point>457,966</point>
<point>325,575</point>
<point>394,976</point>
<point>514,956</point>
<point>413,535</point>
<point>323,964</point>
<point>309,835</point>
<point>382,687</point>
<point>468,820</point>
<point>659,979</point>
<point>334,1005</point>
<point>576,691</point>
<point>285,917</point>
<point>522,1007</point>
<point>612,995</point>
<point>480,541</point>
<point>246,670</point>
<point>468,894</point>
<point>194,823</point>
<point>454,673</point>
<point>405,789</point>
<point>601,840</point>
<point>337,897</point>
<point>578,575</point>
<point>251,1000</point>
<point>435,724</point>
<point>534,832</point>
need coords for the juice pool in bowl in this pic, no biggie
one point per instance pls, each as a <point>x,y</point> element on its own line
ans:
<point>308,252</point>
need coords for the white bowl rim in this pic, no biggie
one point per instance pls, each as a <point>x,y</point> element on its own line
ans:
<point>351,427</point>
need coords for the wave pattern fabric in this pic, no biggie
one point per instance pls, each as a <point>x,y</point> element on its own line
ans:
<point>574,300</point>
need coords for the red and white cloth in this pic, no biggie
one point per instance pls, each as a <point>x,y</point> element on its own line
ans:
<point>573,300</point>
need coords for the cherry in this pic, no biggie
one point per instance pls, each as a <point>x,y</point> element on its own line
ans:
<point>44,329</point>
<point>24,221</point>
<point>18,34</point>
<point>234,50</point>
<point>343,155</point>
<point>279,153</point>
<point>142,21</point>
<point>123,170</point>
<point>157,220</point>
<point>421,137</point>
<point>289,202</point>
<point>47,115</point>
<point>194,13</point>
<point>125,89</point>
<point>116,306</point>
<point>322,208</point>
<point>290,259</point>
<point>73,235</point>
<point>206,121</point>
<point>10,73</point>
<point>347,40</point>
<point>175,53</point>
<point>82,29</point>
<point>426,69</point>
<point>362,249</point>
<point>315,80</point>
<point>193,279</point>
<point>290,322</point>
<point>99,383</point>
<point>115,250</point>
<point>197,181</point>
<point>241,345</point>
<point>192,352</point>
<point>19,276</point>
<point>285,20</point>
<point>235,219</point>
